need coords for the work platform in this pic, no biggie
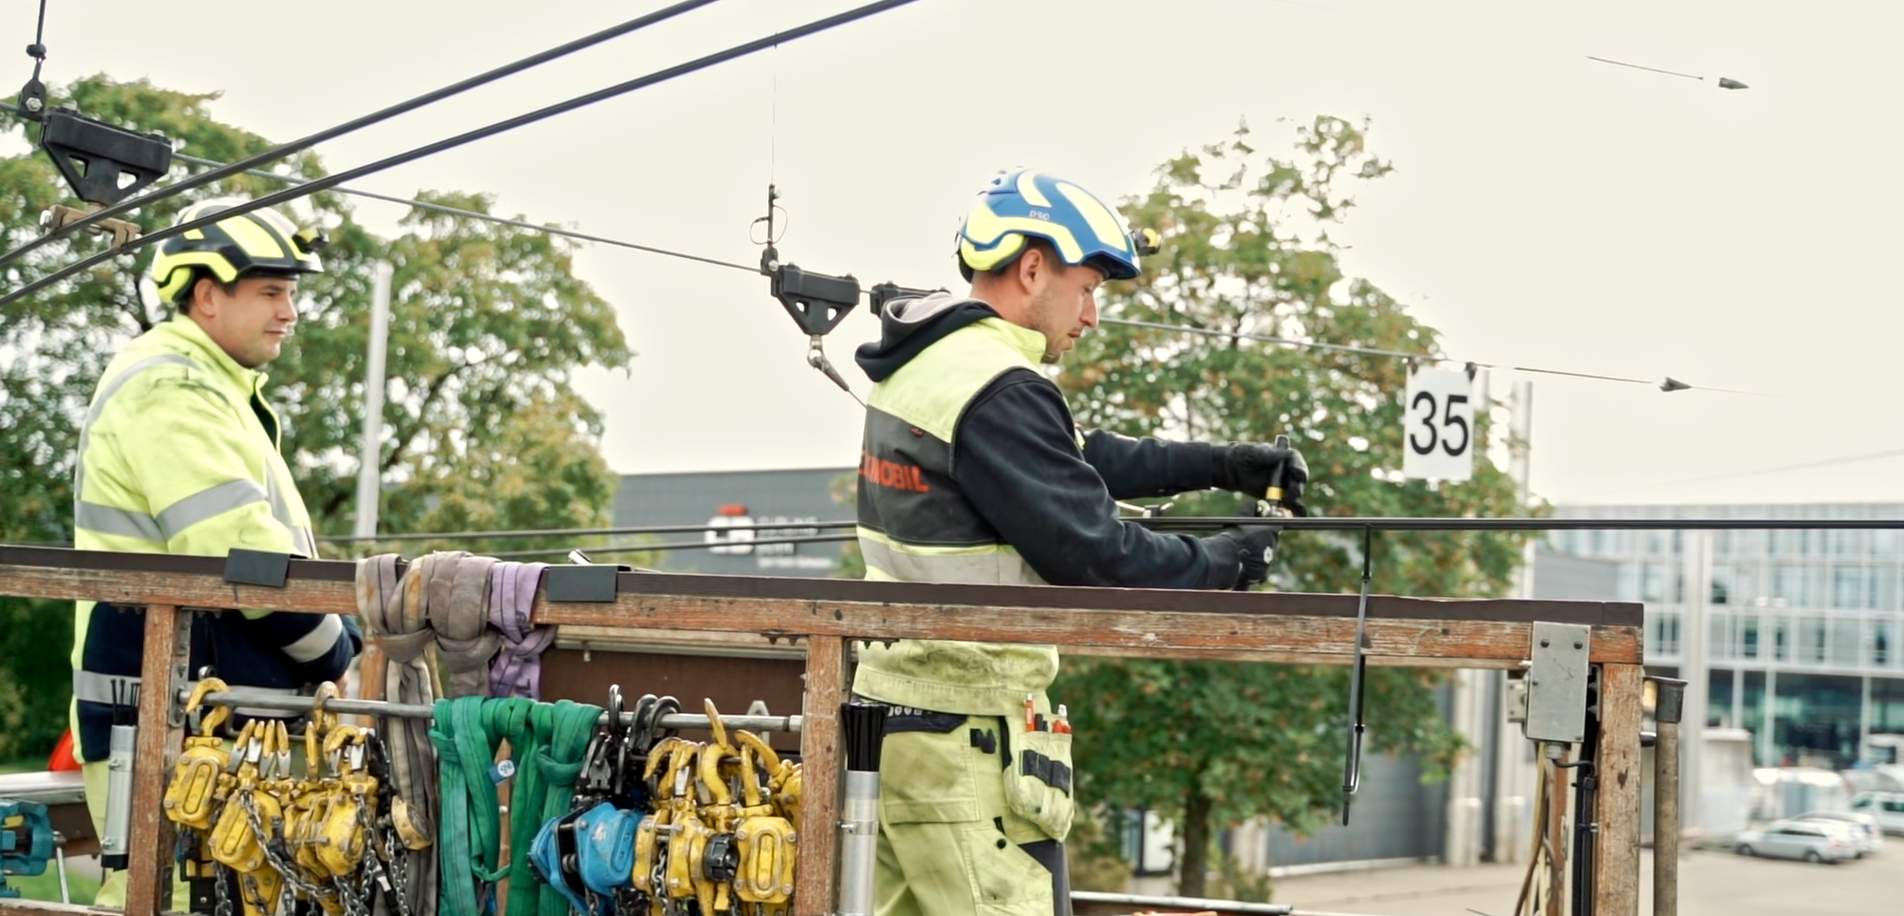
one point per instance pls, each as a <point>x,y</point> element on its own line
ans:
<point>825,618</point>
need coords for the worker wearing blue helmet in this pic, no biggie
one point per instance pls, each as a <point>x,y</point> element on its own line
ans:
<point>972,471</point>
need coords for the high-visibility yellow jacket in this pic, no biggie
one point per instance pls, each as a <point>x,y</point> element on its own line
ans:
<point>973,471</point>
<point>180,454</point>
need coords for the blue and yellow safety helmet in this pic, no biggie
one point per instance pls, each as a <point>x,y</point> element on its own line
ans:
<point>1030,204</point>
<point>261,242</point>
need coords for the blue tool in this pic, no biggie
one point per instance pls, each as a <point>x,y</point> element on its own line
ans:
<point>588,854</point>
<point>26,841</point>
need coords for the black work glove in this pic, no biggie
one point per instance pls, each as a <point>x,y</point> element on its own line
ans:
<point>1256,549</point>
<point>1249,467</point>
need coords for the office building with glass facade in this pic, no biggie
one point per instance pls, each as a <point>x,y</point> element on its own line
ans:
<point>1802,627</point>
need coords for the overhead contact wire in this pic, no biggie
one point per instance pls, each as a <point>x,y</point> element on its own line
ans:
<point>295,146</point>
<point>321,184</point>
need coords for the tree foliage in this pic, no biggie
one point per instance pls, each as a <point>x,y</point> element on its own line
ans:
<point>1246,250</point>
<point>482,429</point>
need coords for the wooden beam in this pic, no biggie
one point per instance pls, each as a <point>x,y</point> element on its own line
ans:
<point>194,590</point>
<point>1260,625</point>
<point>1616,881</point>
<point>168,646</point>
<point>821,764</point>
<point>10,907</point>
<point>1288,658</point>
<point>1280,637</point>
<point>60,573</point>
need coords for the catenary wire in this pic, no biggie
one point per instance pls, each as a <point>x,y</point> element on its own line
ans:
<point>1126,322</point>
<point>321,184</point>
<point>330,133</point>
<point>1398,354</point>
<point>1621,63</point>
<point>455,211</point>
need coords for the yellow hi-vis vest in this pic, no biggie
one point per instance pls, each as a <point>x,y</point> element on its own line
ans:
<point>179,454</point>
<point>915,526</point>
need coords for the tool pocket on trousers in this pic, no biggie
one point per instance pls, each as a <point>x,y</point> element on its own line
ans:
<point>924,777</point>
<point>1038,780</point>
<point>1009,881</point>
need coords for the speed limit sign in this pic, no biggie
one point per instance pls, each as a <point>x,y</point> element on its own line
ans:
<point>1438,426</point>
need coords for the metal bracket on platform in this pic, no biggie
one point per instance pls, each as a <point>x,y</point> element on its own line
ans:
<point>594,582</point>
<point>257,567</point>
<point>1557,684</point>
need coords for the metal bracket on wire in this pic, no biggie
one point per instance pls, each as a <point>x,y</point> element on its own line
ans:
<point>104,163</point>
<point>816,302</point>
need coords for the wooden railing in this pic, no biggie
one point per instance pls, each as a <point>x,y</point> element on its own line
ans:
<point>828,616</point>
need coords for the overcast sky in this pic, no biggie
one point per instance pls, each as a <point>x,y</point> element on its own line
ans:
<point>1545,210</point>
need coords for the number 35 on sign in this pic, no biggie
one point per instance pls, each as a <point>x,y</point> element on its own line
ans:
<point>1438,426</point>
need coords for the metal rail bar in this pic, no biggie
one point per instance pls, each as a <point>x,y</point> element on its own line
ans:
<point>1189,904</point>
<point>285,703</point>
<point>522,533</point>
<point>1353,523</point>
<point>1211,522</point>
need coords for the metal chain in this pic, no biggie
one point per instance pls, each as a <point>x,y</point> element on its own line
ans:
<point>398,859</point>
<point>269,843</point>
<point>375,876</point>
<point>221,901</point>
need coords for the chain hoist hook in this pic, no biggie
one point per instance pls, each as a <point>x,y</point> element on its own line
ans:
<point>209,722</point>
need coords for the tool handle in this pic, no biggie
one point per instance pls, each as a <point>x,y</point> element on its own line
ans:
<point>1275,493</point>
<point>1270,505</point>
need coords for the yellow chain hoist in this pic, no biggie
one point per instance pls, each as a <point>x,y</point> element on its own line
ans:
<point>291,838</point>
<point>651,835</point>
<point>235,843</point>
<point>340,839</point>
<point>764,836</point>
<point>199,781</point>
<point>688,835</point>
<point>712,858</point>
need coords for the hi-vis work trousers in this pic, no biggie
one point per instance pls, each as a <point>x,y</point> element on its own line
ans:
<point>954,835</point>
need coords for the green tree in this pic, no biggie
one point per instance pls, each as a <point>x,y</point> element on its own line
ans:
<point>1247,251</point>
<point>482,427</point>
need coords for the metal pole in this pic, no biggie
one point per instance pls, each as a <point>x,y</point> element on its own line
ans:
<point>1864,711</point>
<point>863,732</point>
<point>369,466</point>
<point>287,703</point>
<point>1517,782</point>
<point>1696,669</point>
<point>1667,711</point>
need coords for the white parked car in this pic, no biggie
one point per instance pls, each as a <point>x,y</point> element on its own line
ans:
<point>1887,808</point>
<point>1863,827</point>
<point>1811,841</point>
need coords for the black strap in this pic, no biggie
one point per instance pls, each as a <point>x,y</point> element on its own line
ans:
<point>1050,854</point>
